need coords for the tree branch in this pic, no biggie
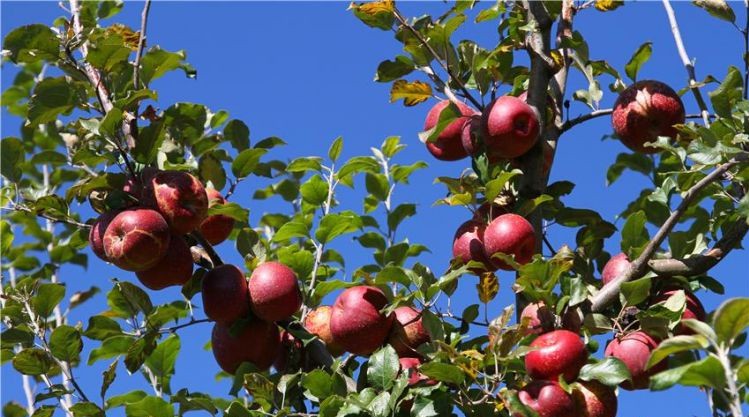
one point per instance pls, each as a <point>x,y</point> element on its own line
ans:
<point>141,43</point>
<point>687,63</point>
<point>639,266</point>
<point>215,258</point>
<point>68,221</point>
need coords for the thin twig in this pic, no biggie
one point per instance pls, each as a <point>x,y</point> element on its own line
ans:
<point>69,221</point>
<point>212,254</point>
<point>141,43</point>
<point>569,124</point>
<point>182,326</point>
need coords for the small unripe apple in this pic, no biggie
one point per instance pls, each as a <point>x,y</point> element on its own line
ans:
<point>317,322</point>
<point>547,399</point>
<point>408,332</point>
<point>180,198</point>
<point>96,234</point>
<point>540,318</point>
<point>468,245</point>
<point>560,352</point>
<point>645,110</point>
<point>216,228</point>
<point>510,127</point>
<point>411,367</point>
<point>593,399</point>
<point>448,146</point>
<point>615,267</point>
<point>356,322</point>
<point>225,294</point>
<point>634,350</point>
<point>256,342</point>
<point>136,239</point>
<point>693,310</point>
<point>291,354</point>
<point>175,268</point>
<point>274,291</point>
<point>512,235</point>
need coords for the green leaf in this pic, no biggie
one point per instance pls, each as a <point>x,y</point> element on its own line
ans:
<point>123,399</point>
<point>86,409</point>
<point>237,132</point>
<point>392,70</point>
<point>126,300</point>
<point>728,93</point>
<point>637,291</point>
<point>11,159</point>
<point>638,59</point>
<point>635,161</point>
<point>377,14</point>
<point>107,50</point>
<point>334,225</point>
<point>318,383</point>
<point>676,344</point>
<point>399,214</point>
<point>291,230</point>
<point>495,186</point>
<point>149,142</point>
<point>32,43</point>
<point>335,149</point>
<point>108,377</point>
<point>717,8</point>
<point>444,372</point>
<point>157,62</point>
<point>211,169</point>
<point>358,164</point>
<point>233,210</point>
<point>109,8</point>
<point>609,371</point>
<point>162,359</point>
<point>65,343</point>
<point>314,190</point>
<point>707,372</point>
<point>44,411</point>
<point>730,319</point>
<point>53,96</point>
<point>149,407</point>
<point>383,368</point>
<point>377,185</point>
<point>246,162</point>
<point>13,409</point>
<point>448,115</point>
<point>47,297</point>
<point>634,234</point>
<point>102,327</point>
<point>33,361</point>
<point>111,347</point>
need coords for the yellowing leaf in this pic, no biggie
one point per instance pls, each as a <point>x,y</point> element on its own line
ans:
<point>488,287</point>
<point>411,93</point>
<point>375,7</point>
<point>608,5</point>
<point>130,37</point>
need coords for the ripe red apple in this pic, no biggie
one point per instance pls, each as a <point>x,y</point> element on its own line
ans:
<point>512,235</point>
<point>216,228</point>
<point>547,399</point>
<point>136,239</point>
<point>291,354</point>
<point>693,310</point>
<point>256,342</point>
<point>175,268</point>
<point>448,146</point>
<point>560,352</point>
<point>225,294</point>
<point>274,292</point>
<point>468,245</point>
<point>411,366</point>
<point>96,234</point>
<point>634,350</point>
<point>645,110</point>
<point>408,332</point>
<point>540,318</point>
<point>593,399</point>
<point>510,127</point>
<point>317,322</point>
<point>180,197</point>
<point>356,322</point>
<point>616,266</point>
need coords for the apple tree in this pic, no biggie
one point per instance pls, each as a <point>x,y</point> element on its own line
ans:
<point>97,169</point>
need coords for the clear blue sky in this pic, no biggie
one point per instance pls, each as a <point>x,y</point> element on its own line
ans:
<point>303,71</point>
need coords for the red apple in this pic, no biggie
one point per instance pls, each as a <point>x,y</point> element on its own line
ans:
<point>256,342</point>
<point>175,268</point>
<point>216,228</point>
<point>134,185</point>
<point>634,350</point>
<point>356,322</point>
<point>645,110</point>
<point>512,235</point>
<point>547,399</point>
<point>180,198</point>
<point>468,245</point>
<point>509,127</point>
<point>616,266</point>
<point>540,318</point>
<point>448,146</point>
<point>411,366</point>
<point>551,109</point>
<point>317,322</point>
<point>693,310</point>
<point>225,294</point>
<point>560,352</point>
<point>593,399</point>
<point>96,234</point>
<point>136,239</point>
<point>291,354</point>
<point>408,332</point>
<point>274,291</point>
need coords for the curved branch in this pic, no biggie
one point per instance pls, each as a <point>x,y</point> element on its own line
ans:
<point>212,254</point>
<point>67,221</point>
<point>569,124</point>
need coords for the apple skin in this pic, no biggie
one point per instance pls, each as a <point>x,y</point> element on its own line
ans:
<point>274,292</point>
<point>216,228</point>
<point>408,332</point>
<point>317,322</point>
<point>510,234</point>
<point>96,234</point>
<point>291,353</point>
<point>180,198</point>
<point>645,110</point>
<point>226,297</point>
<point>509,127</point>
<point>547,399</point>
<point>634,349</point>
<point>615,267</point>
<point>136,239</point>
<point>356,322</point>
<point>468,245</point>
<point>541,318</point>
<point>593,399</point>
<point>134,186</point>
<point>175,268</point>
<point>693,310</point>
<point>411,366</point>
<point>448,146</point>
<point>560,352</point>
<point>257,342</point>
